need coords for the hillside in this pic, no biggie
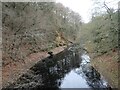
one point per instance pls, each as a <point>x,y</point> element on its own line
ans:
<point>100,38</point>
<point>100,35</point>
<point>32,27</point>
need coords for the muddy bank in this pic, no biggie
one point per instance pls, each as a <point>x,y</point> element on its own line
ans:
<point>107,65</point>
<point>14,70</point>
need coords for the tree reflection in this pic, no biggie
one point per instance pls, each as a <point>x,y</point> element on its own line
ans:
<point>50,72</point>
<point>54,70</point>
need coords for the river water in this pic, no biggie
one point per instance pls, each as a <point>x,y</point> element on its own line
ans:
<point>69,69</point>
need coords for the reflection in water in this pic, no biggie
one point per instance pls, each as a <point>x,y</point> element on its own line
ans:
<point>92,76</point>
<point>74,80</point>
<point>68,69</point>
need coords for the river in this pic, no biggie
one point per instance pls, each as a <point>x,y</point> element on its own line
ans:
<point>70,68</point>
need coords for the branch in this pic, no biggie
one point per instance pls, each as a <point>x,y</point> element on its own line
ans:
<point>25,5</point>
<point>108,9</point>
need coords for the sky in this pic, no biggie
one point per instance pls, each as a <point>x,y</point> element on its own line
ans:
<point>84,7</point>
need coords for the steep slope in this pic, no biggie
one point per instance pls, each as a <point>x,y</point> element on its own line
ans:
<point>31,27</point>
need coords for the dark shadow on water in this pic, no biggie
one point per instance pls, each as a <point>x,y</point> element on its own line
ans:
<point>63,70</point>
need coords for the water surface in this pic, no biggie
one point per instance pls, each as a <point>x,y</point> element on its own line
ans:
<point>68,69</point>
